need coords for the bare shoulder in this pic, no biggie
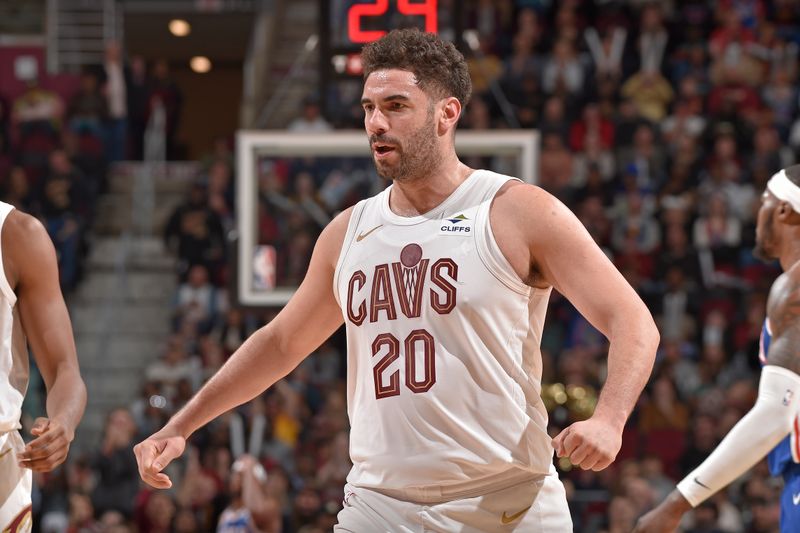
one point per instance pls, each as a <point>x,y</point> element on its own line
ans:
<point>528,206</point>
<point>783,305</point>
<point>26,245</point>
<point>517,198</point>
<point>783,311</point>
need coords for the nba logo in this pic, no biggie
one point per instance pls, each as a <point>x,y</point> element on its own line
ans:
<point>264,259</point>
<point>787,398</point>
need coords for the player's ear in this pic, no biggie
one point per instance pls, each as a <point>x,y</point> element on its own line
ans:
<point>450,112</point>
<point>787,215</point>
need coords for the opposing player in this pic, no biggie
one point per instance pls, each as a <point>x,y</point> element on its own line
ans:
<point>31,305</point>
<point>443,281</point>
<point>773,419</point>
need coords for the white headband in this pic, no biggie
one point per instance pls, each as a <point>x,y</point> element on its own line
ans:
<point>784,189</point>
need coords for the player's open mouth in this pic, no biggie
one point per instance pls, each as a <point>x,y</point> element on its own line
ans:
<point>382,150</point>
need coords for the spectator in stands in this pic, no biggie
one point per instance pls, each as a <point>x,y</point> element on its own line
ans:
<point>36,110</point>
<point>137,91</point>
<point>165,96</point>
<point>17,191</point>
<point>66,202</point>
<point>653,38</point>
<point>158,510</point>
<point>88,108</point>
<point>116,102</point>
<point>195,232</point>
<point>118,481</point>
<point>650,92</point>
<point>220,192</point>
<point>310,119</point>
<point>564,71</point>
<point>81,515</point>
<point>250,505</point>
<point>174,366</point>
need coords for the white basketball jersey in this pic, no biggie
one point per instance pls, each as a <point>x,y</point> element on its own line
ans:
<point>444,365</point>
<point>13,347</point>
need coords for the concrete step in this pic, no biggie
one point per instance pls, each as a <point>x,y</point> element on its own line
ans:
<point>114,211</point>
<point>124,352</point>
<point>174,176</point>
<point>131,318</point>
<point>137,287</point>
<point>146,254</point>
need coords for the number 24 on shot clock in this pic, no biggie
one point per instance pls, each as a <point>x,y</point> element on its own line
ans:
<point>360,28</point>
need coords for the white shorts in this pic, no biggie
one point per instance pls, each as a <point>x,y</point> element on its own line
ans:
<point>538,506</point>
<point>15,486</point>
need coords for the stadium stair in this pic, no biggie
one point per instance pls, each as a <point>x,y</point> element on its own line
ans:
<point>121,311</point>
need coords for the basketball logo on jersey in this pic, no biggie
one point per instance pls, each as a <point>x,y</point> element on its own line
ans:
<point>402,284</point>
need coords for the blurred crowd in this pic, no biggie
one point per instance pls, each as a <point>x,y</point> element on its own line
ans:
<point>660,124</point>
<point>57,139</point>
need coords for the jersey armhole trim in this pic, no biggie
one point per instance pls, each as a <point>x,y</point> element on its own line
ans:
<point>5,287</point>
<point>488,250</point>
<point>352,226</point>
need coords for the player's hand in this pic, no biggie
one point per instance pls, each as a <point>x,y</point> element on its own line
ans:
<point>155,453</point>
<point>50,447</point>
<point>591,444</point>
<point>666,517</point>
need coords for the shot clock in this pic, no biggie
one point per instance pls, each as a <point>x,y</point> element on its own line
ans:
<point>346,25</point>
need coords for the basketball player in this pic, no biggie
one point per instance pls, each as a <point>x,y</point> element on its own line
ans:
<point>31,305</point>
<point>773,420</point>
<point>442,281</point>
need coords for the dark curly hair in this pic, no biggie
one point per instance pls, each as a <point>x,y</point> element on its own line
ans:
<point>439,67</point>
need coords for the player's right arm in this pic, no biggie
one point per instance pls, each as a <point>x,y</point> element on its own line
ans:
<point>310,317</point>
<point>762,428</point>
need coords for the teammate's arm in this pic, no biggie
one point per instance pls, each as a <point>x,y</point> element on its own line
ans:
<point>562,254</point>
<point>47,325</point>
<point>762,428</point>
<point>310,317</point>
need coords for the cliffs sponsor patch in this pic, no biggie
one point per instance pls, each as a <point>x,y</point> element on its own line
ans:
<point>459,224</point>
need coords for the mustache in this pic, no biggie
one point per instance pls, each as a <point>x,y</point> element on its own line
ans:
<point>383,139</point>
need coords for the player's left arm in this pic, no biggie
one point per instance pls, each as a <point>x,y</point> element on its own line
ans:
<point>562,254</point>
<point>761,429</point>
<point>49,330</point>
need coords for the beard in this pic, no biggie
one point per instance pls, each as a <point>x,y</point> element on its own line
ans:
<point>415,159</point>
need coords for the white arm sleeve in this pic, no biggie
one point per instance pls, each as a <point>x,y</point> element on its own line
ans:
<point>767,423</point>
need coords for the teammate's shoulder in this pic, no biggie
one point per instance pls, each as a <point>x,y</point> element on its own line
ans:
<point>784,297</point>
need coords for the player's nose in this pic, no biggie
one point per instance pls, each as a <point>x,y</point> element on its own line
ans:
<point>376,123</point>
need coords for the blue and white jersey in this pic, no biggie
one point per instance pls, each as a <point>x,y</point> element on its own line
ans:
<point>784,458</point>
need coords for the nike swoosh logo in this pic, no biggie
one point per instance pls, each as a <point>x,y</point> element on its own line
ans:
<point>698,482</point>
<point>796,499</point>
<point>506,519</point>
<point>362,236</point>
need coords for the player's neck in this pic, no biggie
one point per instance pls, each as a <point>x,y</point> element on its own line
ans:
<point>790,258</point>
<point>418,196</point>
